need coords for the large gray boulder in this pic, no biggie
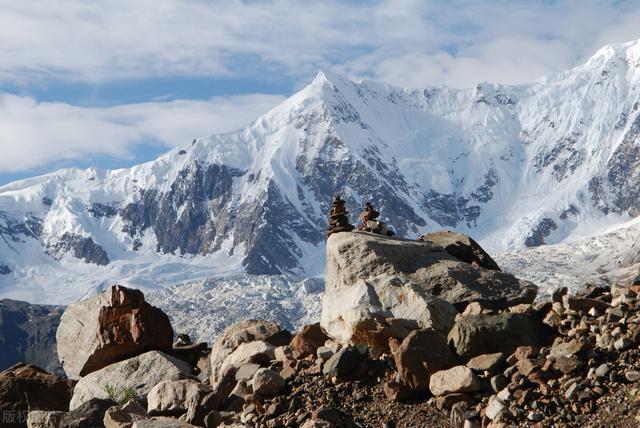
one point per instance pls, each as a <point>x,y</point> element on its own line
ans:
<point>113,326</point>
<point>136,375</point>
<point>373,277</point>
<point>244,332</point>
<point>474,335</point>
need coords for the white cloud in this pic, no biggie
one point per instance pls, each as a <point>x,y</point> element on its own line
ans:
<point>409,41</point>
<point>35,134</point>
<point>405,42</point>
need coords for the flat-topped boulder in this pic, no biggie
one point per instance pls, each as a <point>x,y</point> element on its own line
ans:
<point>113,326</point>
<point>370,276</point>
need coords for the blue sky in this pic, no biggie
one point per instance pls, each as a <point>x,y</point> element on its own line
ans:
<point>117,82</point>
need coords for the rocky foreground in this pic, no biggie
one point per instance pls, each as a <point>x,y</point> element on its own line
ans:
<point>423,333</point>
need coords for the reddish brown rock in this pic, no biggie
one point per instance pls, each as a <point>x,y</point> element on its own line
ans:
<point>25,387</point>
<point>110,327</point>
<point>447,401</point>
<point>307,342</point>
<point>522,352</point>
<point>421,354</point>
<point>397,392</point>
<point>584,304</point>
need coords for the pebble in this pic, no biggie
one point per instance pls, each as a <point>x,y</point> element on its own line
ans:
<point>603,371</point>
<point>623,344</point>
<point>571,391</point>
<point>632,376</point>
<point>535,416</point>
<point>498,382</point>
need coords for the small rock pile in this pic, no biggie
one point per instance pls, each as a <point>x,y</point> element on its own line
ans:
<point>338,220</point>
<point>569,382</point>
<point>369,223</point>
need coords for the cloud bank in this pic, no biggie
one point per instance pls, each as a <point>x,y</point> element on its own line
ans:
<point>408,42</point>
<point>404,42</point>
<point>35,133</point>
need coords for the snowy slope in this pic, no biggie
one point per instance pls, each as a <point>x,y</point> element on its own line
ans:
<point>514,166</point>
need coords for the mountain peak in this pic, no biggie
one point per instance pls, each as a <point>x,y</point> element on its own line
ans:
<point>615,51</point>
<point>323,77</point>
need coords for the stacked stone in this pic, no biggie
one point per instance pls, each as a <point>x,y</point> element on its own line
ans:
<point>338,220</point>
<point>369,214</point>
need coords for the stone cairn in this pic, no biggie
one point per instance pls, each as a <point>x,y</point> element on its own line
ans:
<point>369,214</point>
<point>338,220</point>
<point>369,221</point>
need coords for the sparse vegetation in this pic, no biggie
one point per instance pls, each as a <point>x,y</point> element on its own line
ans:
<point>120,395</point>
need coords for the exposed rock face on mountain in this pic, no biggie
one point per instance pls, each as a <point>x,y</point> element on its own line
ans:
<point>110,327</point>
<point>511,165</point>
<point>374,277</point>
<point>28,334</point>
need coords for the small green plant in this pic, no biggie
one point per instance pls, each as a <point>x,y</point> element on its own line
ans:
<point>120,395</point>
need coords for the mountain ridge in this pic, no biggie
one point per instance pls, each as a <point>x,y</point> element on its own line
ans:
<point>514,166</point>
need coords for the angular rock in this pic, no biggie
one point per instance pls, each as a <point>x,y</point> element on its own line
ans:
<point>623,344</point>
<point>44,419</point>
<point>284,353</point>
<point>162,422</point>
<point>397,392</point>
<point>308,340</point>
<point>488,334</point>
<point>421,354</point>
<point>324,353</point>
<point>454,380</point>
<point>572,347</point>
<point>257,352</point>
<point>25,387</point>
<point>372,276</point>
<point>498,382</point>
<point>495,407</point>
<point>486,362</point>
<point>584,304</point>
<point>266,382</point>
<point>568,364</point>
<point>125,415</point>
<point>602,372</point>
<point>243,332</point>
<point>113,326</point>
<point>172,397</point>
<point>246,371</point>
<point>89,414</point>
<point>462,247</point>
<point>343,363</point>
<point>446,402</point>
<point>136,375</point>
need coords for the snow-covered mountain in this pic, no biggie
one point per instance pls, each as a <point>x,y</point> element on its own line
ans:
<point>514,166</point>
